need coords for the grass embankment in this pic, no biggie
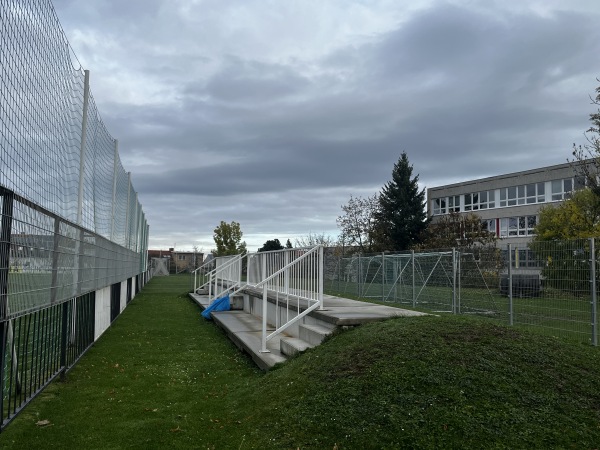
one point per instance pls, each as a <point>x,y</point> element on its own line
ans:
<point>163,377</point>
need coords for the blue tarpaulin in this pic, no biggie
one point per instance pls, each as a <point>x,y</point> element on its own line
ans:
<point>220,304</point>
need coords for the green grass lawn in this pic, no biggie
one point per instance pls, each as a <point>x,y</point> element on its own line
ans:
<point>163,377</point>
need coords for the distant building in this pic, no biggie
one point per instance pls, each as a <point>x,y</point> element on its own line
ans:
<point>508,204</point>
<point>179,261</point>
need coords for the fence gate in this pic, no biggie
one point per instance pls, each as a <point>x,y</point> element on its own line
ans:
<point>160,267</point>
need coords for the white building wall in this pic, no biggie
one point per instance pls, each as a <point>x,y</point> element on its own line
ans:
<point>123,296</point>
<point>102,312</point>
<point>133,285</point>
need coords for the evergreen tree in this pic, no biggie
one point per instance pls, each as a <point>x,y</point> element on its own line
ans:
<point>402,215</point>
<point>288,244</point>
<point>270,245</point>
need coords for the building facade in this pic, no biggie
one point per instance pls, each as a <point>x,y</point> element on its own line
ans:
<point>178,261</point>
<point>507,204</point>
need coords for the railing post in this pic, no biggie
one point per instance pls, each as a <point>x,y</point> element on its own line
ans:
<point>510,289</point>
<point>320,275</point>
<point>286,274</point>
<point>593,286</point>
<point>264,307</point>
<point>240,270</point>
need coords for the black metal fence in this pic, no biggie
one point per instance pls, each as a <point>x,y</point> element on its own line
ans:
<point>60,287</point>
<point>73,235</point>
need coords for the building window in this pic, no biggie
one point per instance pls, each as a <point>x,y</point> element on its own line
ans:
<point>480,200</point>
<point>520,195</point>
<point>518,226</point>
<point>181,257</point>
<point>439,206</point>
<point>562,188</point>
<point>536,193</point>
<point>490,225</point>
<point>454,203</point>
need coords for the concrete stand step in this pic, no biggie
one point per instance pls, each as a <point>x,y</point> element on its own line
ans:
<point>291,346</point>
<point>245,331</point>
<point>313,334</point>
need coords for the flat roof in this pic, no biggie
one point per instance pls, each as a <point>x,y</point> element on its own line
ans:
<point>503,176</point>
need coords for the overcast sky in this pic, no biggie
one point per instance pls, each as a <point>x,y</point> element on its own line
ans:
<point>272,113</point>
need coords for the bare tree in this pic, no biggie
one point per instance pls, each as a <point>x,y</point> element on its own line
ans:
<point>456,230</point>
<point>313,239</point>
<point>587,156</point>
<point>358,222</point>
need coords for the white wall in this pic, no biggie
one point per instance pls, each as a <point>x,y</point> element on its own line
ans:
<point>102,312</point>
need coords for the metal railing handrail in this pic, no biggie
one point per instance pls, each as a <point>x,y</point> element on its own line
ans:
<point>283,269</point>
<point>195,273</point>
<point>214,275</point>
<point>316,268</point>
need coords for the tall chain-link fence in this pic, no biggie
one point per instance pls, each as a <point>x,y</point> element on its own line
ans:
<point>549,286</point>
<point>73,235</point>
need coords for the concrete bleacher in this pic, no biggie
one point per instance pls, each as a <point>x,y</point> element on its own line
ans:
<point>243,323</point>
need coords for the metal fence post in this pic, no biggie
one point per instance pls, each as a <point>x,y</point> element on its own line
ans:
<point>458,284</point>
<point>453,281</point>
<point>114,191</point>
<point>510,289</point>
<point>64,339</point>
<point>382,276</point>
<point>593,286</point>
<point>359,277</point>
<point>127,212</point>
<point>5,235</point>
<point>414,298</point>
<point>84,120</point>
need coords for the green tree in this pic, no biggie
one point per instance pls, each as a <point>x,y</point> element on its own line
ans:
<point>270,245</point>
<point>454,230</point>
<point>288,244</point>
<point>587,156</point>
<point>401,216</point>
<point>228,239</point>
<point>576,217</point>
<point>358,222</point>
<point>561,245</point>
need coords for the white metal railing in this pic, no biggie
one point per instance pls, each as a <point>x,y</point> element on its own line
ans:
<point>201,275</point>
<point>224,277</point>
<point>294,277</point>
